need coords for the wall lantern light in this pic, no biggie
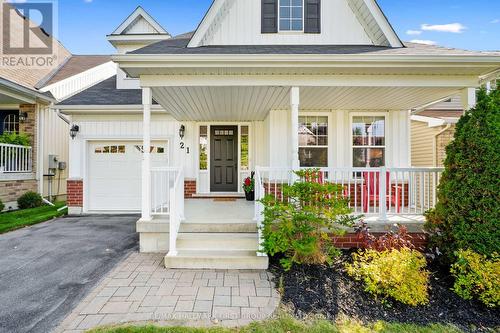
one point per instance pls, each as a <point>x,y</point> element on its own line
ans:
<point>182,131</point>
<point>23,116</point>
<point>74,131</point>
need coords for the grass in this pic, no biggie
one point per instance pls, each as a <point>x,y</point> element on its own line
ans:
<point>21,218</point>
<point>287,324</point>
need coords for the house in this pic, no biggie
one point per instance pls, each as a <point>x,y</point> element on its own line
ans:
<point>432,130</point>
<point>261,85</point>
<point>26,98</point>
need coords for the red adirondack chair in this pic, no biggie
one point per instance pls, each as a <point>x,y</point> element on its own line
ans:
<point>319,177</point>
<point>371,191</point>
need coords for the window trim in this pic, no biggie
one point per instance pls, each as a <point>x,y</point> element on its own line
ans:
<point>368,114</point>
<point>292,31</point>
<point>330,135</point>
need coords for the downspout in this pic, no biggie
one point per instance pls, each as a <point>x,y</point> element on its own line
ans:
<point>63,117</point>
<point>435,157</point>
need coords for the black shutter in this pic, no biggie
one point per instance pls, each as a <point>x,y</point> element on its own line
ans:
<point>312,21</point>
<point>269,16</point>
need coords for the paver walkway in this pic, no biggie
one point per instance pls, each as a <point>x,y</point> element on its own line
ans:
<point>141,290</point>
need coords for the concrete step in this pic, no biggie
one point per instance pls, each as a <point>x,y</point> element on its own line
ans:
<point>218,225</point>
<point>216,260</point>
<point>218,241</point>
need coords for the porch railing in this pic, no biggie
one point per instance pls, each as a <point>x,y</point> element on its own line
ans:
<point>167,199</point>
<point>15,159</point>
<point>403,191</point>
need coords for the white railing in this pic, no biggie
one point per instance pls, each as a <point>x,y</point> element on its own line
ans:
<point>167,198</point>
<point>408,191</point>
<point>15,159</point>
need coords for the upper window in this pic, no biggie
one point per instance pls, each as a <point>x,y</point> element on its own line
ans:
<point>313,141</point>
<point>291,15</point>
<point>368,141</point>
<point>110,150</point>
<point>11,124</point>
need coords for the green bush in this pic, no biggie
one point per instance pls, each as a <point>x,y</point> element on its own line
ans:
<point>476,276</point>
<point>2,206</point>
<point>29,200</point>
<point>15,139</point>
<point>398,274</point>
<point>468,212</point>
<point>302,226</point>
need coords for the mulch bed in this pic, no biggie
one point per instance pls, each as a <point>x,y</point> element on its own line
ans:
<point>330,292</point>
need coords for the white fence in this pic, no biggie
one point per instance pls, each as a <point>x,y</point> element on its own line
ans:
<point>15,159</point>
<point>403,191</point>
<point>167,198</point>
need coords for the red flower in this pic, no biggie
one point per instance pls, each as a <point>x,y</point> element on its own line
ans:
<point>248,182</point>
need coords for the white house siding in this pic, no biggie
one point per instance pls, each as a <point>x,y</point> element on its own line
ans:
<point>340,150</point>
<point>241,25</point>
<point>55,137</point>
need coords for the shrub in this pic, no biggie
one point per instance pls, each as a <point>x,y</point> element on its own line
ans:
<point>2,206</point>
<point>301,226</point>
<point>29,200</point>
<point>398,274</point>
<point>468,212</point>
<point>15,139</point>
<point>391,240</point>
<point>476,276</point>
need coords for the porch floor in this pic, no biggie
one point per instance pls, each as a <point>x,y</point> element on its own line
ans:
<point>219,210</point>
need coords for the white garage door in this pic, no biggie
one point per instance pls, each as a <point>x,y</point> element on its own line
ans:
<point>114,176</point>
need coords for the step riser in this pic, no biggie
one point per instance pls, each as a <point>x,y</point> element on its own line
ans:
<point>217,263</point>
<point>218,244</point>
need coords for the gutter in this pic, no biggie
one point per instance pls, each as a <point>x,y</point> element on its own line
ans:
<point>27,91</point>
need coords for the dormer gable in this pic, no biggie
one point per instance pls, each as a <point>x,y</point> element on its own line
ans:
<point>138,30</point>
<point>305,22</point>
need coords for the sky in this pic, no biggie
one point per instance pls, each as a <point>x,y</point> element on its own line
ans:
<point>466,24</point>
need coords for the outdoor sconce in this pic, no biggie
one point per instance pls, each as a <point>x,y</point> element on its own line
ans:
<point>182,131</point>
<point>74,131</point>
<point>23,116</point>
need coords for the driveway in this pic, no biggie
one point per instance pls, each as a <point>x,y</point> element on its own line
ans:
<point>47,269</point>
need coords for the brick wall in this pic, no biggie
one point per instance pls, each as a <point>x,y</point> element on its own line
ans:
<point>350,241</point>
<point>189,188</point>
<point>28,127</point>
<point>11,190</point>
<point>75,192</point>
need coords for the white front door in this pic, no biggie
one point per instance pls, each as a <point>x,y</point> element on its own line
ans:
<point>114,174</point>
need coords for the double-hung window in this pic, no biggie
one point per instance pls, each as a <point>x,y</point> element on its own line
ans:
<point>313,141</point>
<point>291,15</point>
<point>368,141</point>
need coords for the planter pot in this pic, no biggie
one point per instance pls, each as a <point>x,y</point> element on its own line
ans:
<point>250,196</point>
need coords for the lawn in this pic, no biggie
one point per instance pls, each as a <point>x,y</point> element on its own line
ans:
<point>21,218</point>
<point>287,324</point>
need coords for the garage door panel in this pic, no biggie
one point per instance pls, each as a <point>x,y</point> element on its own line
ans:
<point>115,174</point>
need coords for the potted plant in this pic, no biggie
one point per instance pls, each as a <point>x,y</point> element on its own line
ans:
<point>249,187</point>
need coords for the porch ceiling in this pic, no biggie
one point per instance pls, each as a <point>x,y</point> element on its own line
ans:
<point>250,103</point>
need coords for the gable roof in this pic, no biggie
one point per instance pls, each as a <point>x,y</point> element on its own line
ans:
<point>368,13</point>
<point>139,14</point>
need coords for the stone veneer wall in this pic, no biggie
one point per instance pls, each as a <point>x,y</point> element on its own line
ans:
<point>11,190</point>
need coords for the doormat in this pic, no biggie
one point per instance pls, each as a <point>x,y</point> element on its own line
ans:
<point>224,199</point>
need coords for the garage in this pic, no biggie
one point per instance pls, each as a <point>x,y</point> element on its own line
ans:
<point>114,174</point>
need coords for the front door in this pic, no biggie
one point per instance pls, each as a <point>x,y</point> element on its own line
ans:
<point>224,159</point>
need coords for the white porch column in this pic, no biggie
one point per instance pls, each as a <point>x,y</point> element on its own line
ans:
<point>468,98</point>
<point>294,114</point>
<point>147,100</point>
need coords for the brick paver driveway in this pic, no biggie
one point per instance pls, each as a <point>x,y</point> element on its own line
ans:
<point>46,270</point>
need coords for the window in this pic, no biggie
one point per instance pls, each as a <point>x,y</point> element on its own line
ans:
<point>203,148</point>
<point>110,150</point>
<point>368,141</point>
<point>152,150</point>
<point>313,141</point>
<point>244,148</point>
<point>291,15</point>
<point>11,124</point>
